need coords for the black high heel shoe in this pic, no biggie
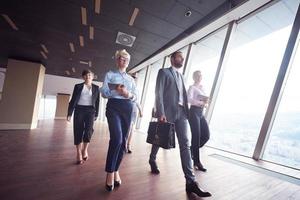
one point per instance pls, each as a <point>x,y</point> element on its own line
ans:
<point>199,166</point>
<point>117,183</point>
<point>85,158</point>
<point>109,187</point>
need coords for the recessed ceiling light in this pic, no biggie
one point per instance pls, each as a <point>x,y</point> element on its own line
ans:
<point>73,69</point>
<point>91,32</point>
<point>83,62</point>
<point>68,73</point>
<point>81,40</point>
<point>133,16</point>
<point>44,48</point>
<point>72,47</point>
<point>97,6</point>
<point>90,63</point>
<point>43,54</point>
<point>10,22</point>
<point>83,16</point>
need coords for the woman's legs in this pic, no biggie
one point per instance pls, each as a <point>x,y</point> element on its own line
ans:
<point>128,143</point>
<point>79,153</point>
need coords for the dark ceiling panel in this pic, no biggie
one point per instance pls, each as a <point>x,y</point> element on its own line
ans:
<point>177,16</point>
<point>56,23</point>
<point>202,6</point>
<point>159,10</point>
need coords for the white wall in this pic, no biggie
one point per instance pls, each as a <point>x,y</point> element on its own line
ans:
<point>59,84</point>
<point>52,84</point>
<point>2,77</point>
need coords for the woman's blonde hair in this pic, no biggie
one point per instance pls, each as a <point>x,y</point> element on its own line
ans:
<point>122,53</point>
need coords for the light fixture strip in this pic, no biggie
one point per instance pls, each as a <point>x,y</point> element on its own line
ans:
<point>97,6</point>
<point>81,40</point>
<point>10,22</point>
<point>133,16</point>
<point>83,62</point>
<point>91,32</point>
<point>83,16</point>
<point>90,63</point>
<point>72,47</point>
<point>44,55</point>
<point>67,72</point>
<point>44,48</point>
<point>73,69</point>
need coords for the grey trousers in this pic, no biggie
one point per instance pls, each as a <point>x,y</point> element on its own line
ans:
<point>184,146</point>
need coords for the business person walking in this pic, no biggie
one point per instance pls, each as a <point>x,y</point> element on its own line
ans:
<point>120,89</point>
<point>171,105</point>
<point>85,102</point>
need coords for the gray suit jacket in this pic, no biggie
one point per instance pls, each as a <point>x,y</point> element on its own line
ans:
<point>167,95</point>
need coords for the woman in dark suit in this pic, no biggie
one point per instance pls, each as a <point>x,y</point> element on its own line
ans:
<point>85,102</point>
<point>119,88</point>
<point>199,127</point>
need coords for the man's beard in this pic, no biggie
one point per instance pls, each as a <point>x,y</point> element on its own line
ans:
<point>178,65</point>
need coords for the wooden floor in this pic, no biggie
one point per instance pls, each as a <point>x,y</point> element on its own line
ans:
<point>39,164</point>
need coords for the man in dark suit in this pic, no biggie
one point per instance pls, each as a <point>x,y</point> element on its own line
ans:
<point>171,105</point>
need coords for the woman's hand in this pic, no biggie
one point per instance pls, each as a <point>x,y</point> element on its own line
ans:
<point>121,89</point>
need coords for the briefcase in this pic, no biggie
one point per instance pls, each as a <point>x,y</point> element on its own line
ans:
<point>161,134</point>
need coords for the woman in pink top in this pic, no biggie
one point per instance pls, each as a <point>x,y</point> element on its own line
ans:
<point>199,127</point>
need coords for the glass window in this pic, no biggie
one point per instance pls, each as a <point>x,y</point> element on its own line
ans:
<point>205,57</point>
<point>249,78</point>
<point>47,107</point>
<point>284,143</point>
<point>150,95</point>
<point>140,82</point>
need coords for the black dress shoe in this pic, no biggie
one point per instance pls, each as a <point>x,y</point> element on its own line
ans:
<point>109,187</point>
<point>200,167</point>
<point>154,168</point>
<point>194,188</point>
<point>117,183</point>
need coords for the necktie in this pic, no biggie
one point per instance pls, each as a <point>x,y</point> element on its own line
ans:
<point>180,88</point>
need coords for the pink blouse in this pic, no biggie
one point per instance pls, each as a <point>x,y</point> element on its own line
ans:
<point>196,96</point>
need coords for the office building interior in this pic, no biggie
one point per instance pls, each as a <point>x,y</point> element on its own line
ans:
<point>249,56</point>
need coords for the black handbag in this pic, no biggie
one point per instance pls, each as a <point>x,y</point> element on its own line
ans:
<point>161,134</point>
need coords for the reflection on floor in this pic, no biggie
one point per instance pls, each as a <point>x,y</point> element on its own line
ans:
<point>39,164</point>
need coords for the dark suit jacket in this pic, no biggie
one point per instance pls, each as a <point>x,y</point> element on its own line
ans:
<point>76,96</point>
<point>167,95</point>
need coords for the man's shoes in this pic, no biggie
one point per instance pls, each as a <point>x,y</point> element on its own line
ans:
<point>154,168</point>
<point>200,167</point>
<point>194,188</point>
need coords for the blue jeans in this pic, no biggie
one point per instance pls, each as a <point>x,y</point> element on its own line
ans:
<point>118,113</point>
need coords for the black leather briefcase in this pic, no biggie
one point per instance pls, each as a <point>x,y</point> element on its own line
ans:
<point>161,134</point>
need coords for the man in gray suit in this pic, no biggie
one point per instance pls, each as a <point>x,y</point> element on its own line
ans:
<point>171,105</point>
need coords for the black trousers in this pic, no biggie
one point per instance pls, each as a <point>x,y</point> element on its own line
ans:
<point>200,131</point>
<point>118,113</point>
<point>83,123</point>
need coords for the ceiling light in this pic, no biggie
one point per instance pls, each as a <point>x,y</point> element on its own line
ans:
<point>97,6</point>
<point>73,69</point>
<point>44,48</point>
<point>83,62</point>
<point>91,32</point>
<point>81,40</point>
<point>125,39</point>
<point>90,63</point>
<point>10,22</point>
<point>68,73</point>
<point>43,54</point>
<point>83,16</point>
<point>72,47</point>
<point>133,16</point>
